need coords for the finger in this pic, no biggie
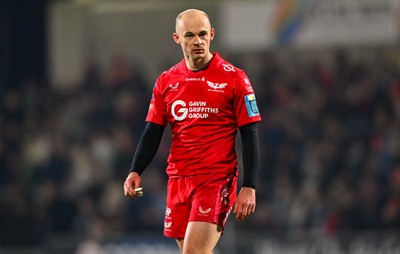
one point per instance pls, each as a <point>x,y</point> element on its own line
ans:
<point>249,210</point>
<point>126,189</point>
<point>252,209</point>
<point>241,216</point>
<point>235,208</point>
<point>244,213</point>
<point>240,206</point>
<point>129,191</point>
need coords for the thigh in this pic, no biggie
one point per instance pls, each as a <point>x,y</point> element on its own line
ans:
<point>178,207</point>
<point>213,198</point>
<point>201,237</point>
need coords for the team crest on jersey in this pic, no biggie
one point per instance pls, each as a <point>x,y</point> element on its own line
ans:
<point>216,85</point>
<point>251,105</point>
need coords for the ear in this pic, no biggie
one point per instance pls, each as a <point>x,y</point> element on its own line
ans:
<point>212,33</point>
<point>175,36</point>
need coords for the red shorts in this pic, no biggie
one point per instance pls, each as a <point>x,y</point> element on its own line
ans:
<point>207,198</point>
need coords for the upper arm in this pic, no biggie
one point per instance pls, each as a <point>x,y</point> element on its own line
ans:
<point>245,101</point>
<point>248,128</point>
<point>157,112</point>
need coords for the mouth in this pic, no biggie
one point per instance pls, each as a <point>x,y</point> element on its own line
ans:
<point>198,51</point>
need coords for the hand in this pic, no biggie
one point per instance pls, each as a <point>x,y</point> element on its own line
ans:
<point>132,182</point>
<point>245,203</point>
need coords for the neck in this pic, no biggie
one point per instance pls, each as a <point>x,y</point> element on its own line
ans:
<point>198,64</point>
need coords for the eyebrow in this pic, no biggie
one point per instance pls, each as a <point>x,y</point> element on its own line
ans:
<point>201,32</point>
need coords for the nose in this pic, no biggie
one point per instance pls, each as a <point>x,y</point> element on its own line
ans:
<point>197,40</point>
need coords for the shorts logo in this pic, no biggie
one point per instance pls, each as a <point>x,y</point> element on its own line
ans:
<point>167,214</point>
<point>251,105</point>
<point>167,211</point>
<point>204,211</point>
<point>181,113</point>
<point>167,224</point>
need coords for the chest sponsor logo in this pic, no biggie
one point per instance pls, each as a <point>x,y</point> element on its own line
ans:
<point>194,109</point>
<point>179,110</point>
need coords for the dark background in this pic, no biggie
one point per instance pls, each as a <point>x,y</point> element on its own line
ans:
<point>23,41</point>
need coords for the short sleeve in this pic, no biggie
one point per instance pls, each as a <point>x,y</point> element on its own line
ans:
<point>157,112</point>
<point>245,101</point>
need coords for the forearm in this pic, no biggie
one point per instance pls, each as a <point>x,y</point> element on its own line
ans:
<point>250,150</point>
<point>147,147</point>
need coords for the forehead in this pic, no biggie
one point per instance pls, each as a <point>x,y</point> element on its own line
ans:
<point>193,22</point>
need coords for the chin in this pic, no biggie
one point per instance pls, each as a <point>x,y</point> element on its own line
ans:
<point>198,56</point>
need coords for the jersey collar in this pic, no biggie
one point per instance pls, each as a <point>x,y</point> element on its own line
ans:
<point>214,62</point>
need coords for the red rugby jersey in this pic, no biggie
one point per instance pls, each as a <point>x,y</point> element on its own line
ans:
<point>205,109</point>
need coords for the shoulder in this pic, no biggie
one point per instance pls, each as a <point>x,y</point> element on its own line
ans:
<point>176,69</point>
<point>170,73</point>
<point>227,67</point>
<point>238,76</point>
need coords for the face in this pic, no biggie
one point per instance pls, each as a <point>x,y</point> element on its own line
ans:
<point>194,34</point>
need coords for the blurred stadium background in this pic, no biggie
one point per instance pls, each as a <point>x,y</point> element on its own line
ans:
<point>75,81</point>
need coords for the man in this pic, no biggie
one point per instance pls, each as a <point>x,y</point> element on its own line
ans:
<point>205,100</point>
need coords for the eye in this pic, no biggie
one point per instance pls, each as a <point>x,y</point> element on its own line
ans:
<point>203,34</point>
